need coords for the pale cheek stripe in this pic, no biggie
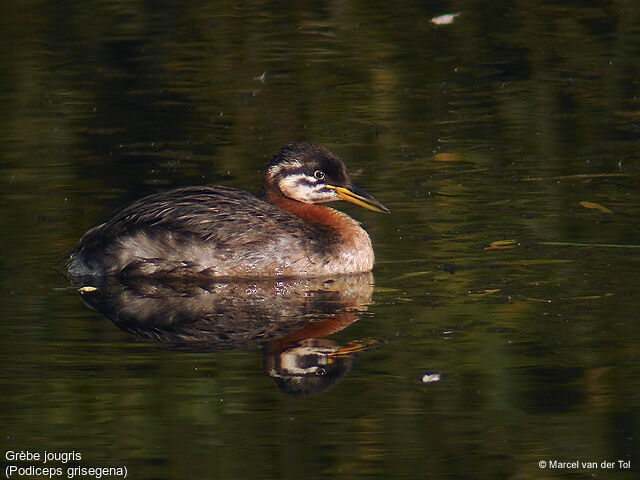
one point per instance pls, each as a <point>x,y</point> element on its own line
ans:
<point>305,188</point>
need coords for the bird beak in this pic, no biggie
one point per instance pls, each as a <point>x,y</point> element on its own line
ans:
<point>358,196</point>
<point>352,347</point>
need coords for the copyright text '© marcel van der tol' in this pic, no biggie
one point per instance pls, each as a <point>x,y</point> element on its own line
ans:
<point>585,465</point>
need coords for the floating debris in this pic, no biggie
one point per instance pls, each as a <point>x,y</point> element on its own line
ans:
<point>447,157</point>
<point>445,19</point>
<point>595,206</point>
<point>501,245</point>
<point>431,377</point>
<point>485,292</point>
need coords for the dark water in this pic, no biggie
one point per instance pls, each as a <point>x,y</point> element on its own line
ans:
<point>492,128</point>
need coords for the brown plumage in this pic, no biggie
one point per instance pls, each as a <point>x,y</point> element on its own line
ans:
<point>225,232</point>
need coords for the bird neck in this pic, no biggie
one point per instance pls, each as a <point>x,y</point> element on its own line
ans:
<point>354,252</point>
<point>315,213</point>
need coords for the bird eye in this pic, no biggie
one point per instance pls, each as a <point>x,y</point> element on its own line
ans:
<point>319,174</point>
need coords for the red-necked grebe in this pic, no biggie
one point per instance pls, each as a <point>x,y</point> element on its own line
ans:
<point>217,231</point>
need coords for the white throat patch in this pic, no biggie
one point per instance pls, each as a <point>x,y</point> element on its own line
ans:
<point>305,188</point>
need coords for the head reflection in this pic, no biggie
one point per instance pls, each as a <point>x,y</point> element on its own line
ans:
<point>312,365</point>
<point>288,319</point>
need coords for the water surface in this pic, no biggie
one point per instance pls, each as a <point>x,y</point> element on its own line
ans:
<point>497,127</point>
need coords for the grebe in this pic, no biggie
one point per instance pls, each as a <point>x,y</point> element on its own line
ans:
<point>218,231</point>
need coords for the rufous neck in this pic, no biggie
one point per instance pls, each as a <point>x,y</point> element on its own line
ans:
<point>353,245</point>
<point>309,212</point>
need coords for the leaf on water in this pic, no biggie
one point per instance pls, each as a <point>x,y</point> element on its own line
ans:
<point>501,245</point>
<point>501,202</point>
<point>485,293</point>
<point>595,206</point>
<point>539,300</point>
<point>593,297</point>
<point>447,157</point>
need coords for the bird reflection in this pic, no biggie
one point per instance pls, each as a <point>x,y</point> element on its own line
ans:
<point>287,319</point>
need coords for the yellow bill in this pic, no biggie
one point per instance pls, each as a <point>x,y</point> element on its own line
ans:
<point>359,197</point>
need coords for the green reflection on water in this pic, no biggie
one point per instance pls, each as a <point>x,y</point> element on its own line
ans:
<point>492,128</point>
